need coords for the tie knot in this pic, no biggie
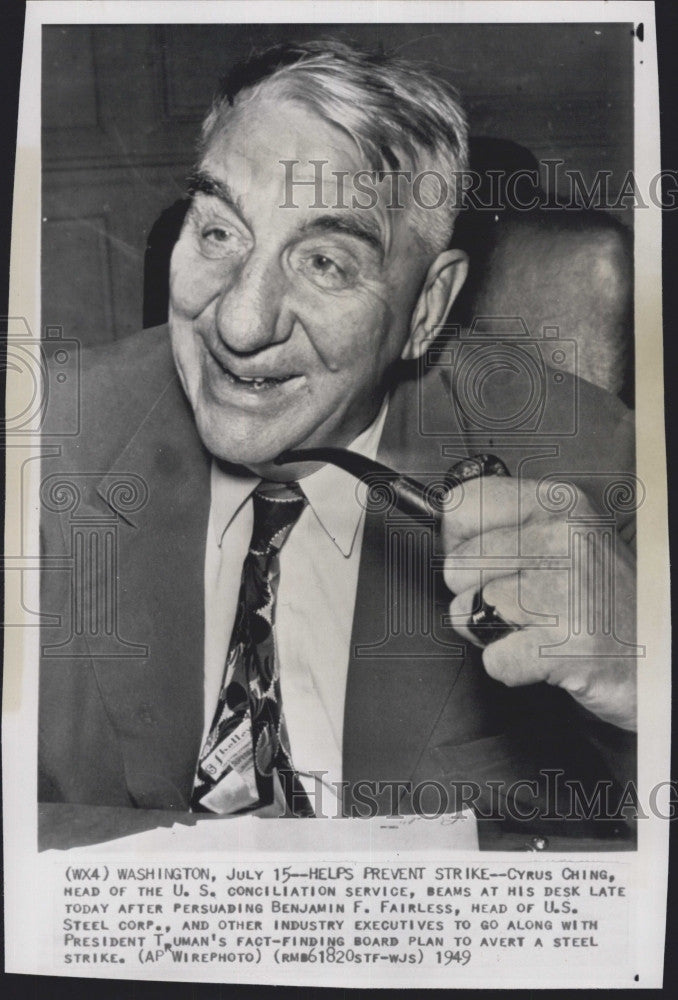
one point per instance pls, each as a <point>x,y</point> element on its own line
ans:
<point>277,508</point>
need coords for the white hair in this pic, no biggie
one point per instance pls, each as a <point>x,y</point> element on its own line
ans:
<point>400,116</point>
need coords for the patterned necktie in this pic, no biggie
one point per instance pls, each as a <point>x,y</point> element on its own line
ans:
<point>248,742</point>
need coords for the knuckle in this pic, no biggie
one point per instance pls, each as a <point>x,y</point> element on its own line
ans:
<point>493,663</point>
<point>459,613</point>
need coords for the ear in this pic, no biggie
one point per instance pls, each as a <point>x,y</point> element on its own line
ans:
<point>443,283</point>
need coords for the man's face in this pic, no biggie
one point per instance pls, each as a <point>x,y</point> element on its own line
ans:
<point>284,320</point>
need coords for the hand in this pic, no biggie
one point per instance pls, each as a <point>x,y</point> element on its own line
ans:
<point>501,541</point>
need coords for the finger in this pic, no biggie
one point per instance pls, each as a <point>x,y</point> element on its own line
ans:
<point>483,504</point>
<point>530,599</point>
<point>470,603</point>
<point>505,551</point>
<point>605,687</point>
<point>461,609</point>
<point>515,660</point>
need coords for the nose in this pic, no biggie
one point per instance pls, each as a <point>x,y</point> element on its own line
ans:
<point>251,312</point>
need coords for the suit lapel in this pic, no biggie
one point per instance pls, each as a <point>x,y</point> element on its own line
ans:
<point>156,703</point>
<point>403,662</point>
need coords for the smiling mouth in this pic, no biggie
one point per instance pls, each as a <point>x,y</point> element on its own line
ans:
<point>257,383</point>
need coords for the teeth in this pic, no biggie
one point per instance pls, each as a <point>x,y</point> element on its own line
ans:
<point>257,380</point>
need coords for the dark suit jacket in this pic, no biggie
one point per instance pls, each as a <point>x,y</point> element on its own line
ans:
<point>121,697</point>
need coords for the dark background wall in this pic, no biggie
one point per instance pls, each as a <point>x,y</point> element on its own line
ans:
<point>122,107</point>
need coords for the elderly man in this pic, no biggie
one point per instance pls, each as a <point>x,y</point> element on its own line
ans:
<point>276,640</point>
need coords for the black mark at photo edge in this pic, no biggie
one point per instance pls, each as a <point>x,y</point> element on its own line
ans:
<point>667,40</point>
<point>12,17</point>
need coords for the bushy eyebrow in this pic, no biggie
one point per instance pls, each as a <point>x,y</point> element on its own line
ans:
<point>205,183</point>
<point>350,225</point>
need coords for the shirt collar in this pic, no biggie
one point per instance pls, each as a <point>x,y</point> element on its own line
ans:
<point>336,498</point>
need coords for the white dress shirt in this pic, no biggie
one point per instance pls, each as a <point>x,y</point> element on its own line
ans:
<point>315,603</point>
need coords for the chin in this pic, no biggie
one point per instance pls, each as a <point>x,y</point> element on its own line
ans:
<point>250,457</point>
<point>235,450</point>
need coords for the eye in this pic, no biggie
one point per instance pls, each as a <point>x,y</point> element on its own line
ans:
<point>218,241</point>
<point>216,234</point>
<point>324,271</point>
<point>322,263</point>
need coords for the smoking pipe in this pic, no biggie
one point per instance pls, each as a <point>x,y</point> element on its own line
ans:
<point>418,501</point>
<point>409,496</point>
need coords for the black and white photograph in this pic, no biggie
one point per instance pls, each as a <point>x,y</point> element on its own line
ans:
<point>337,615</point>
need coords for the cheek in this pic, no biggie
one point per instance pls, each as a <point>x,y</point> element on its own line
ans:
<point>194,282</point>
<point>351,335</point>
<point>186,351</point>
